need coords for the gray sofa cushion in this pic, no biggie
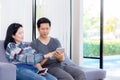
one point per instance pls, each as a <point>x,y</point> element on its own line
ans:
<point>7,70</point>
<point>94,74</point>
<point>2,52</point>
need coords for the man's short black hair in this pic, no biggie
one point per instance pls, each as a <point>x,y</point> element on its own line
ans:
<point>43,20</point>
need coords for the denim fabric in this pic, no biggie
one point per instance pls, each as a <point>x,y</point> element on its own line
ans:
<point>28,72</point>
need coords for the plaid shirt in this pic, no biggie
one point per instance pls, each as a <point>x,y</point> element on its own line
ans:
<point>22,53</point>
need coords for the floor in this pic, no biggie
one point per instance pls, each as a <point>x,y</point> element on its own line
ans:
<point>113,74</point>
<point>112,66</point>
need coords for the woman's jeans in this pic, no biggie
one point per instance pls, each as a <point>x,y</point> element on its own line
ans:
<point>29,72</point>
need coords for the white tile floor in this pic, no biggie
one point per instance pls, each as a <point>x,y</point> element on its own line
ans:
<point>113,75</point>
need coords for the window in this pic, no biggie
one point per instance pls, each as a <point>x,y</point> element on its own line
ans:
<point>101,25</point>
<point>91,32</point>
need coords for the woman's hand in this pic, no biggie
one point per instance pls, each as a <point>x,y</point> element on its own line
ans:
<point>49,55</point>
<point>46,57</point>
<point>58,55</point>
<point>43,73</point>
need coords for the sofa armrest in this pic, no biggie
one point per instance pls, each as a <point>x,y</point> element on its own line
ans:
<point>94,74</point>
<point>7,71</point>
<point>91,73</point>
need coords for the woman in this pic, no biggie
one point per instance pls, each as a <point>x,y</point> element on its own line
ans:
<point>23,56</point>
<point>45,44</point>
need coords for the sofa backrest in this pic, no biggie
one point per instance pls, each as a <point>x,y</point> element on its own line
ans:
<point>2,52</point>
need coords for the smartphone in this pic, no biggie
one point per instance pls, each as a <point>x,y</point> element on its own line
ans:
<point>60,49</point>
<point>42,71</point>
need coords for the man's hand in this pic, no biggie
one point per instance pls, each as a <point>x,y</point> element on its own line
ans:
<point>59,56</point>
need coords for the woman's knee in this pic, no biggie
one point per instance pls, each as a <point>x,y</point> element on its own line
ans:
<point>39,78</point>
<point>26,74</point>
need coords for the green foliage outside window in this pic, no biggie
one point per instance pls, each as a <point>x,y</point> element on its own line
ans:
<point>91,48</point>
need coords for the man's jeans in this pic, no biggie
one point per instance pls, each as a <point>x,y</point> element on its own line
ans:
<point>29,72</point>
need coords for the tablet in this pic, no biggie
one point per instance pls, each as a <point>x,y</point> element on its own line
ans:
<point>60,49</point>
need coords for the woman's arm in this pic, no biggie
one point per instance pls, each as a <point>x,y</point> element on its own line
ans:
<point>15,53</point>
<point>43,61</point>
<point>46,57</point>
<point>38,66</point>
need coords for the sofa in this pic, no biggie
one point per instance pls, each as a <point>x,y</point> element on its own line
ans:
<point>8,70</point>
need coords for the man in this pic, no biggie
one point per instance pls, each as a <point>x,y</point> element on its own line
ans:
<point>45,44</point>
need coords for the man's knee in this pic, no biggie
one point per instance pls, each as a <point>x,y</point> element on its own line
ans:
<point>61,74</point>
<point>79,75</point>
<point>68,77</point>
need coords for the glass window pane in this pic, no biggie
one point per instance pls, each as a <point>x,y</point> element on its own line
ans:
<point>91,28</point>
<point>112,38</point>
<point>91,63</point>
<point>91,31</point>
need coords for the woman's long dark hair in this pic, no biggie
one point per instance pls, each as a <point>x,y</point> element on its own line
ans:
<point>12,29</point>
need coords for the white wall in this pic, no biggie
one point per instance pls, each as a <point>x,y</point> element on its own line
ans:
<point>77,40</point>
<point>16,11</point>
